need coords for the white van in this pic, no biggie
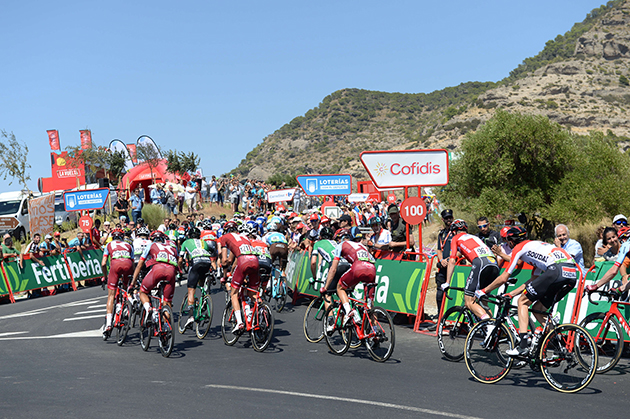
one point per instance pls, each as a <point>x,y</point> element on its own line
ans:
<point>14,213</point>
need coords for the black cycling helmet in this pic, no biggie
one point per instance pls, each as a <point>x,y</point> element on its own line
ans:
<point>140,221</point>
<point>517,234</point>
<point>194,233</point>
<point>459,225</point>
<point>341,233</point>
<point>356,234</point>
<point>326,233</point>
<point>172,226</point>
<point>213,219</point>
<point>143,231</point>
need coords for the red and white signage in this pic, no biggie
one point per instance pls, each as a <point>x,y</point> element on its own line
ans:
<point>86,223</point>
<point>401,168</point>
<point>53,140</point>
<point>413,210</point>
<point>391,198</point>
<point>86,139</point>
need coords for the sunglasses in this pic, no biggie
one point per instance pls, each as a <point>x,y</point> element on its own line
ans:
<point>482,226</point>
<point>621,222</point>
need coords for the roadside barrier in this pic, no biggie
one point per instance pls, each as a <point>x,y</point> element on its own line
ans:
<point>57,270</point>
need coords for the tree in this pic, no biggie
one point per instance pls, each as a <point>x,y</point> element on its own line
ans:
<point>150,155</point>
<point>180,162</point>
<point>13,159</point>
<point>93,158</point>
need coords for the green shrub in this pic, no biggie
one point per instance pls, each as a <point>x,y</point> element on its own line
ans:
<point>153,215</point>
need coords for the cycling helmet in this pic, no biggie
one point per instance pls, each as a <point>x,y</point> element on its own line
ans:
<point>356,234</point>
<point>140,221</point>
<point>143,231</point>
<point>194,233</point>
<point>206,224</point>
<point>249,229</point>
<point>241,227</point>
<point>158,236</point>
<point>374,220</point>
<point>326,233</point>
<point>623,234</point>
<point>272,226</point>
<point>341,233</point>
<point>213,219</point>
<point>118,234</point>
<point>172,226</point>
<point>516,233</point>
<point>230,226</point>
<point>459,225</point>
<point>504,231</point>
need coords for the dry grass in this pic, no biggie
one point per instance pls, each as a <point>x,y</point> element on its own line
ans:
<point>586,234</point>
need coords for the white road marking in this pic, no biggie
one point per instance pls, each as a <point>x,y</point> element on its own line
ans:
<point>101,310</point>
<point>94,316</point>
<point>97,306</point>
<point>83,334</point>
<point>11,333</point>
<point>344,399</point>
<point>45,309</point>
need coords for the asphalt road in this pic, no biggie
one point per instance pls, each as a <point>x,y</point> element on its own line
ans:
<point>55,364</point>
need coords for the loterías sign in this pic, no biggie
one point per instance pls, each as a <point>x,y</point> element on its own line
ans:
<point>400,168</point>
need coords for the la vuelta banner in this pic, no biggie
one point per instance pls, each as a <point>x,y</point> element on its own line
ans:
<point>42,214</point>
<point>133,152</point>
<point>53,139</point>
<point>86,139</point>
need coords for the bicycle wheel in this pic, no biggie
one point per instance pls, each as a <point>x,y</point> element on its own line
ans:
<point>262,329</point>
<point>183,316</point>
<point>313,320</point>
<point>355,342</point>
<point>146,331</point>
<point>281,297</point>
<point>125,323</point>
<point>381,346</point>
<point>167,335</point>
<point>608,340</point>
<point>452,332</point>
<point>568,358</point>
<point>338,340</point>
<point>485,358</point>
<point>228,321</point>
<point>205,317</point>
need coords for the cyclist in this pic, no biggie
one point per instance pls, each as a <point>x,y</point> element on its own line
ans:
<point>164,268</point>
<point>484,265</point>
<point>209,235</point>
<point>141,242</point>
<point>278,245</point>
<point>624,251</point>
<point>121,266</point>
<point>553,269</point>
<point>262,250</point>
<point>198,252</point>
<point>361,270</point>
<point>243,253</point>
<point>323,256</point>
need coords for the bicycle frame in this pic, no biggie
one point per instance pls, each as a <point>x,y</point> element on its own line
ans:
<point>157,302</point>
<point>614,311</point>
<point>249,323</point>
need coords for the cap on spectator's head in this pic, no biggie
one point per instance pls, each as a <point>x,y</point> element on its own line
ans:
<point>324,219</point>
<point>48,236</point>
<point>296,220</point>
<point>393,209</point>
<point>619,217</point>
<point>447,213</point>
<point>314,217</point>
<point>123,218</point>
<point>345,217</point>
<point>301,226</point>
<point>57,234</point>
<point>106,223</point>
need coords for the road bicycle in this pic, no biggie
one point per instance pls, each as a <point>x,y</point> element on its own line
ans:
<point>121,320</point>
<point>313,325</point>
<point>202,312</point>
<point>159,324</point>
<point>565,353</point>
<point>259,324</point>
<point>606,329</point>
<point>277,288</point>
<point>376,329</point>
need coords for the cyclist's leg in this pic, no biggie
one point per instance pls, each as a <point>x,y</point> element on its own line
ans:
<point>472,285</point>
<point>112,286</point>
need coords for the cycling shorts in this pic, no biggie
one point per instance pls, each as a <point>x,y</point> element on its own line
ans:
<point>360,271</point>
<point>119,268</point>
<point>546,286</point>
<point>342,268</point>
<point>482,273</point>
<point>264,269</point>
<point>197,274</point>
<point>246,266</point>
<point>279,251</point>
<point>160,272</point>
<point>212,245</point>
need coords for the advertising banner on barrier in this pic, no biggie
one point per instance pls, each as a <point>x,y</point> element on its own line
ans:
<point>4,290</point>
<point>54,272</point>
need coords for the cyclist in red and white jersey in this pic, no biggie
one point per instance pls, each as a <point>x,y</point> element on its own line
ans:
<point>553,269</point>
<point>164,268</point>
<point>484,265</point>
<point>242,252</point>
<point>121,266</point>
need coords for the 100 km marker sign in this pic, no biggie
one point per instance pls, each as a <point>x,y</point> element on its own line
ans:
<point>413,210</point>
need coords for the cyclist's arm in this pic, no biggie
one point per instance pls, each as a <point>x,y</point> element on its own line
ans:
<point>314,265</point>
<point>331,272</point>
<point>608,275</point>
<point>104,264</point>
<point>136,273</point>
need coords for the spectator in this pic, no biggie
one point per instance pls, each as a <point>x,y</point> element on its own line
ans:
<point>171,201</point>
<point>59,243</point>
<point>489,237</point>
<point>381,237</point>
<point>599,244</point>
<point>397,226</point>
<point>9,252</point>
<point>122,205</point>
<point>31,250</point>
<point>105,234</point>
<point>157,194</point>
<point>95,234</point>
<point>79,244</point>
<point>573,247</point>
<point>190,197</point>
<point>214,191</point>
<point>610,245</point>
<point>503,251</point>
<point>619,221</point>
<point>443,254</point>
<point>136,205</point>
<point>48,247</point>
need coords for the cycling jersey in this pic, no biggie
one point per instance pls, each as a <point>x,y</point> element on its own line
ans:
<point>539,254</point>
<point>262,250</point>
<point>471,247</point>
<point>624,250</point>
<point>198,251</point>
<point>353,252</point>
<point>246,259</point>
<point>274,237</point>
<point>121,264</point>
<point>362,269</point>
<point>238,244</point>
<point>208,235</point>
<point>139,245</point>
<point>160,253</point>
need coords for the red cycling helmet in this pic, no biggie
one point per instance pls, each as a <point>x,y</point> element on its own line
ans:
<point>118,234</point>
<point>504,231</point>
<point>623,233</point>
<point>229,227</point>
<point>158,236</point>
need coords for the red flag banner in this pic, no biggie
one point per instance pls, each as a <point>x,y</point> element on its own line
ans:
<point>53,139</point>
<point>133,153</point>
<point>86,139</point>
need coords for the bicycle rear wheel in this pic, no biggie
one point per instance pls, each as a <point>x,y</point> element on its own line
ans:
<point>485,358</point>
<point>338,340</point>
<point>381,346</point>
<point>452,332</point>
<point>281,297</point>
<point>205,317</point>
<point>146,331</point>
<point>262,329</point>
<point>167,335</point>
<point>568,358</point>
<point>313,320</point>
<point>228,321</point>
<point>608,340</point>
<point>125,323</point>
<point>183,316</point>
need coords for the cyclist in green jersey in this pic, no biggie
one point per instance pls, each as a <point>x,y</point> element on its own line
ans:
<point>322,258</point>
<point>198,252</point>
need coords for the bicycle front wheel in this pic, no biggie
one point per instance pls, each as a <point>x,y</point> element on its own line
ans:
<point>338,336</point>
<point>167,335</point>
<point>205,317</point>
<point>125,323</point>
<point>262,329</point>
<point>313,320</point>
<point>146,331</point>
<point>452,332</point>
<point>608,339</point>
<point>485,353</point>
<point>381,346</point>
<point>183,316</point>
<point>281,297</point>
<point>228,321</point>
<point>568,358</point>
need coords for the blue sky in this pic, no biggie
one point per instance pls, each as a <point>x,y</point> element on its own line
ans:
<point>217,77</point>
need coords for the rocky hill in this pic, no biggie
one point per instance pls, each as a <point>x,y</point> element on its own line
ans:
<point>580,79</point>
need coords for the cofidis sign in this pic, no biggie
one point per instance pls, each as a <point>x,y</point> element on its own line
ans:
<point>400,168</point>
